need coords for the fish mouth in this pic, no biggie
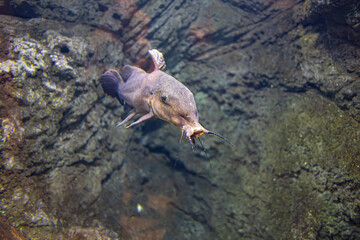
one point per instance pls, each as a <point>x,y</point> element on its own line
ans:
<point>194,131</point>
<point>198,133</point>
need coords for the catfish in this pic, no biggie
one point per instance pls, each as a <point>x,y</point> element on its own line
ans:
<point>155,94</point>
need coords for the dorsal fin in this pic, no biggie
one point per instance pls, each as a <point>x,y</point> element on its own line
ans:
<point>128,70</point>
<point>158,59</point>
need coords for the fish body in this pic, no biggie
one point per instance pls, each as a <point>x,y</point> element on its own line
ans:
<point>154,94</point>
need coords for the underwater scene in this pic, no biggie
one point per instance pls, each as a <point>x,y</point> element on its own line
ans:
<point>179,119</point>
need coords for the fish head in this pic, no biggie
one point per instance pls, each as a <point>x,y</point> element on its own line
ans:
<point>174,103</point>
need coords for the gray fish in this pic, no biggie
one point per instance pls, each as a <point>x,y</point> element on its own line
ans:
<point>155,94</point>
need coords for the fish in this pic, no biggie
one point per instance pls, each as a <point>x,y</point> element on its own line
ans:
<point>155,94</point>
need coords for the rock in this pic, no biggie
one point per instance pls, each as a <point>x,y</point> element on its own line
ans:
<point>91,234</point>
<point>8,232</point>
<point>278,79</point>
<point>340,17</point>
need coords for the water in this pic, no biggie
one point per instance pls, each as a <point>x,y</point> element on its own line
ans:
<point>278,79</point>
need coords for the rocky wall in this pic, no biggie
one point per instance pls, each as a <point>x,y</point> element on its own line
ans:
<point>278,79</point>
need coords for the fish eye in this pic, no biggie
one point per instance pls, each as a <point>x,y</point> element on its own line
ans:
<point>163,99</point>
<point>184,116</point>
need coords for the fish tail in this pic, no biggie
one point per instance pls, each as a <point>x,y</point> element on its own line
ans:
<point>110,82</point>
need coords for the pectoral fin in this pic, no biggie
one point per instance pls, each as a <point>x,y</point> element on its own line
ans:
<point>126,119</point>
<point>142,119</point>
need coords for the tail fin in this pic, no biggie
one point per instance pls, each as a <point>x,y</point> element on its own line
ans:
<point>110,82</point>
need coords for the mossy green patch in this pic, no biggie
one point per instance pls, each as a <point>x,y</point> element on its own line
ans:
<point>312,131</point>
<point>311,154</point>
